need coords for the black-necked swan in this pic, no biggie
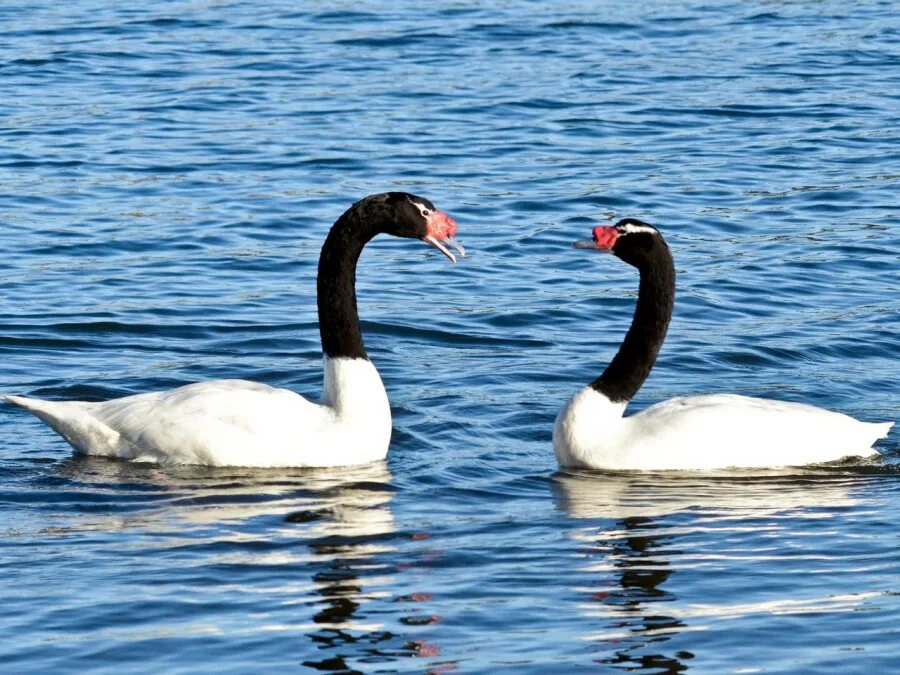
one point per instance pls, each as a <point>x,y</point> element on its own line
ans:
<point>693,432</point>
<point>241,423</point>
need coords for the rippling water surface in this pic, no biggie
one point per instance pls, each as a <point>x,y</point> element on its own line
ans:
<point>168,174</point>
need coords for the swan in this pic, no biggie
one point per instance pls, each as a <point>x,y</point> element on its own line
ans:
<point>241,423</point>
<point>686,432</point>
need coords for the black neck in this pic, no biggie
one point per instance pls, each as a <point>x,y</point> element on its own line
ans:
<point>656,297</point>
<point>336,286</point>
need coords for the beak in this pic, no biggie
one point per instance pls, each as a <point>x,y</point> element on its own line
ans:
<point>441,229</point>
<point>586,243</point>
<point>442,246</point>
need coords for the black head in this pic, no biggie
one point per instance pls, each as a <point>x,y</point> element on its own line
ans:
<point>632,240</point>
<point>401,214</point>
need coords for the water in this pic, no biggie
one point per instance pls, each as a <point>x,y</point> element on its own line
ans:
<point>168,174</point>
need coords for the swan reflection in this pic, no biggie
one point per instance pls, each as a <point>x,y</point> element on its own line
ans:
<point>646,529</point>
<point>310,551</point>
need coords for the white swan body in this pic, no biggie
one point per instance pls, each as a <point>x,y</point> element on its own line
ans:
<point>695,432</point>
<point>234,422</point>
<point>706,432</point>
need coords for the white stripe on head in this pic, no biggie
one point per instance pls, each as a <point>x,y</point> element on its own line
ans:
<point>424,210</point>
<point>631,228</point>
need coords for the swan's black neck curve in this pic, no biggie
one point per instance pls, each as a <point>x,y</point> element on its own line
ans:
<point>656,297</point>
<point>336,284</point>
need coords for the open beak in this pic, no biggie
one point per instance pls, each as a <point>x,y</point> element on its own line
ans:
<point>442,246</point>
<point>441,229</point>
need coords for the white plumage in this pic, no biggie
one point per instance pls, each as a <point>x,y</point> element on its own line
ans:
<point>706,432</point>
<point>234,422</point>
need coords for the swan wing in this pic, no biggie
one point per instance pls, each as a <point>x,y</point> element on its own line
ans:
<point>728,430</point>
<point>219,422</point>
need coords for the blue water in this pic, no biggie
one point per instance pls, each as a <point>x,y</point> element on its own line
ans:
<point>168,174</point>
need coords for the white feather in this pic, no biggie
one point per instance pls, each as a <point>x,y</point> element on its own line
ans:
<point>234,422</point>
<point>706,432</point>
<point>632,228</point>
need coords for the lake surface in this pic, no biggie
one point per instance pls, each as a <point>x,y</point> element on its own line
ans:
<point>168,174</point>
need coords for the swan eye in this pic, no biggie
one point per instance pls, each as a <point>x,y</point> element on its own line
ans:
<point>423,208</point>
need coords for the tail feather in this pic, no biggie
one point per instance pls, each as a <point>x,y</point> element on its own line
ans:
<point>73,421</point>
<point>881,429</point>
<point>21,401</point>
